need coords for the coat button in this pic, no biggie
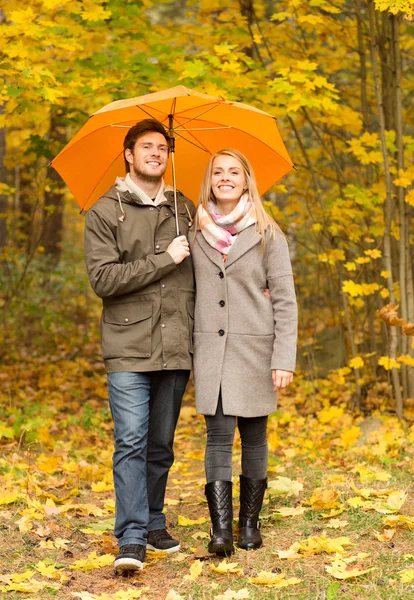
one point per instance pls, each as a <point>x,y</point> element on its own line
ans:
<point>163,325</point>
<point>157,247</point>
<point>163,285</point>
<point>221,332</point>
<point>222,303</point>
<point>164,365</point>
<point>126,320</point>
<point>221,274</point>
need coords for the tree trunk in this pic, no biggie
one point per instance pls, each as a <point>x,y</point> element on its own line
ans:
<point>388,205</point>
<point>53,205</point>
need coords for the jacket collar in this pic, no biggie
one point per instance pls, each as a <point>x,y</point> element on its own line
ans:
<point>246,239</point>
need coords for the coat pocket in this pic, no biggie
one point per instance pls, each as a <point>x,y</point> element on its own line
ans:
<point>126,330</point>
<point>190,312</point>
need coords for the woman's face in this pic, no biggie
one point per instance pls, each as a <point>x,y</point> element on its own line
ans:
<point>227,182</point>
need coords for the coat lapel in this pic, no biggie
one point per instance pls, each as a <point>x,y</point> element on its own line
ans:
<point>246,239</point>
<point>211,253</point>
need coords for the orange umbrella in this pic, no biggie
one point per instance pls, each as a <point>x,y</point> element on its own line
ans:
<point>200,124</point>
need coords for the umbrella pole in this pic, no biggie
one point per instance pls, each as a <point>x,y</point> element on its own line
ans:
<point>172,151</point>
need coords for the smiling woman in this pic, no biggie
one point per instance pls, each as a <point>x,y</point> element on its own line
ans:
<point>227,182</point>
<point>244,340</point>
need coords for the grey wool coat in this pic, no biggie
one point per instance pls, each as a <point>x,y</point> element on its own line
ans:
<point>240,335</point>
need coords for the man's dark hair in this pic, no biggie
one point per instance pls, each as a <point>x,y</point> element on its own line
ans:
<point>140,129</point>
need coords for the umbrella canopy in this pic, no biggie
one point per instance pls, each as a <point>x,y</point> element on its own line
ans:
<point>202,125</point>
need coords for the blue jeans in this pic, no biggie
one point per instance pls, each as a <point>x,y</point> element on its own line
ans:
<point>145,409</point>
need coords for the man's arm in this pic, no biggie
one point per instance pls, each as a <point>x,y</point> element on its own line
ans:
<point>110,277</point>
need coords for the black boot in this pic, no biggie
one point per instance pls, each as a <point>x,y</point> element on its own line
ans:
<point>251,500</point>
<point>220,504</point>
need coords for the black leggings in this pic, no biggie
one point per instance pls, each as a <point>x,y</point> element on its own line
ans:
<point>220,437</point>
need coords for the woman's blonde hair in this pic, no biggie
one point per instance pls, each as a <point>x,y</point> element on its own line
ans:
<point>263,220</point>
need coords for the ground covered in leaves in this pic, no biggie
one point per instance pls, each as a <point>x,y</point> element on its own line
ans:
<point>338,520</point>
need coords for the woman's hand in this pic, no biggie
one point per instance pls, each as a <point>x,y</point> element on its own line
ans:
<point>281,379</point>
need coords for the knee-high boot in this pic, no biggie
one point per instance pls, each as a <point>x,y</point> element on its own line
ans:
<point>220,504</point>
<point>251,499</point>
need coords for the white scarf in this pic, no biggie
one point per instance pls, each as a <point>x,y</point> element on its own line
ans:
<point>128,185</point>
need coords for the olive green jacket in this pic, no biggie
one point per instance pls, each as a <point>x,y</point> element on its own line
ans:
<point>148,300</point>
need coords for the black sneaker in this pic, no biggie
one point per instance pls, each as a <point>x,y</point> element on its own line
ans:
<point>161,541</point>
<point>130,558</point>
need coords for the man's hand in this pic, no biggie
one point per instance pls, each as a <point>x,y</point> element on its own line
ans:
<point>179,249</point>
<point>281,379</point>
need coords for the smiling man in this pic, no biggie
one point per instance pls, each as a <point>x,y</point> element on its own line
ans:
<point>144,275</point>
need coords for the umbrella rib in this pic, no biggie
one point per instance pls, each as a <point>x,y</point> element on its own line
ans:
<point>193,143</point>
<point>198,116</point>
<point>204,128</point>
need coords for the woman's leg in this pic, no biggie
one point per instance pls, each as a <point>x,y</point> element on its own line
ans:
<point>219,493</point>
<point>253,435</point>
<point>253,481</point>
<point>219,448</point>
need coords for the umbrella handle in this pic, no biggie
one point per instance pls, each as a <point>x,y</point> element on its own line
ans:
<point>172,152</point>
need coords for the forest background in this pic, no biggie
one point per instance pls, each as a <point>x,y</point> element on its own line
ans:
<point>338,77</point>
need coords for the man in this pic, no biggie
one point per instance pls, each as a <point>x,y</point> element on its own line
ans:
<point>143,273</point>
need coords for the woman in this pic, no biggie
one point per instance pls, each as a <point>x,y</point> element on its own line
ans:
<point>244,340</point>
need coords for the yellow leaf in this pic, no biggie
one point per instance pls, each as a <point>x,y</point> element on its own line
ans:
<point>290,512</point>
<point>225,567</point>
<point>407,575</point>
<point>10,498</point>
<point>318,544</point>
<point>324,498</point>
<point>330,414</point>
<point>388,363</point>
<point>184,522</point>
<point>356,502</point>
<point>373,253</point>
<point>284,485</point>
<point>171,502</point>
<point>195,570</point>
<point>386,535</point>
<point>273,579</point>
<point>395,520</point>
<point>102,486</point>
<point>340,570</point>
<point>350,436</point>
<point>356,363</point>
<point>92,562</point>
<point>336,524</point>
<point>287,554</point>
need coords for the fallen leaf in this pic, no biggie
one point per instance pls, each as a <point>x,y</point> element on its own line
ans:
<point>273,579</point>
<point>340,570</point>
<point>386,535</point>
<point>184,522</point>
<point>225,567</point>
<point>324,498</point>
<point>284,485</point>
<point>285,511</point>
<point>92,562</point>
<point>407,575</point>
<point>195,571</point>
<point>336,524</point>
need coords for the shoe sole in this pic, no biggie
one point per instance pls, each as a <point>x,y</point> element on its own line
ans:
<point>127,564</point>
<point>168,550</point>
<point>221,549</point>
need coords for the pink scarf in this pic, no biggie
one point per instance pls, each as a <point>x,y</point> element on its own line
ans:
<point>220,231</point>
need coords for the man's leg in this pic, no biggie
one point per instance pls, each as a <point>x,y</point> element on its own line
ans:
<point>129,395</point>
<point>167,389</point>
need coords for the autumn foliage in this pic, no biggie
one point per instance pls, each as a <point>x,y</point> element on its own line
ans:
<point>338,519</point>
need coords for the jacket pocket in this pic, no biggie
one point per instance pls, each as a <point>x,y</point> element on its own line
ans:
<point>126,330</point>
<point>190,312</point>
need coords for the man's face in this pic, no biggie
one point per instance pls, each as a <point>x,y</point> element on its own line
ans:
<point>149,157</point>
